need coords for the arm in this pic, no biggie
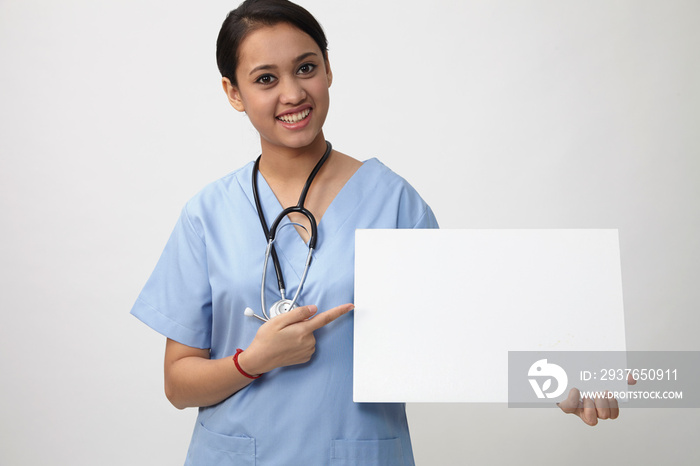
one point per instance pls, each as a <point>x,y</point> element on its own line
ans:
<point>193,379</point>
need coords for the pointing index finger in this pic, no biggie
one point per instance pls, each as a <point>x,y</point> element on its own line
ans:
<point>324,318</point>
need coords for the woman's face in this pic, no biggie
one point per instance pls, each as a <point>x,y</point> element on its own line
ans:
<point>283,83</point>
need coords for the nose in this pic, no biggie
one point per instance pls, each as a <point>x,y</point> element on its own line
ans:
<point>292,92</point>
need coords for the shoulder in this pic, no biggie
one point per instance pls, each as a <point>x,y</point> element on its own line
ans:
<point>387,180</point>
<point>222,196</point>
<point>231,183</point>
<point>383,183</point>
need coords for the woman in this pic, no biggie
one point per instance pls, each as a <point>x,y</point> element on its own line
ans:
<point>274,64</point>
<point>280,392</point>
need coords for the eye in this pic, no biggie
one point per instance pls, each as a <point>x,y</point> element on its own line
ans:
<point>306,68</point>
<point>266,79</point>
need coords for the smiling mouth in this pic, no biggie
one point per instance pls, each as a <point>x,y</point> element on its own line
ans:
<point>294,117</point>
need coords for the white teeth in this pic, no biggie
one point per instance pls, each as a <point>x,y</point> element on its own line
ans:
<point>294,117</point>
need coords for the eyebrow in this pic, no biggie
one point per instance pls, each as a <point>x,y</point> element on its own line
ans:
<point>272,67</point>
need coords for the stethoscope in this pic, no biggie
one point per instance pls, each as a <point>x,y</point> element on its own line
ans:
<point>284,304</point>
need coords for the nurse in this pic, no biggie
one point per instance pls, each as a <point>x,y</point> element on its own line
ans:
<point>280,392</point>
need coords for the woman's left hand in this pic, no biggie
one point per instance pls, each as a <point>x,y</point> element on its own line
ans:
<point>590,409</point>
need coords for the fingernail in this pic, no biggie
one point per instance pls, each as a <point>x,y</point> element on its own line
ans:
<point>312,309</point>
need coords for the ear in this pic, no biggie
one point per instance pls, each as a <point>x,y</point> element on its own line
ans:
<point>329,72</point>
<point>233,94</point>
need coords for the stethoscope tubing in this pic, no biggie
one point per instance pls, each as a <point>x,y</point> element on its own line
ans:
<point>271,233</point>
<point>290,210</point>
<point>268,250</point>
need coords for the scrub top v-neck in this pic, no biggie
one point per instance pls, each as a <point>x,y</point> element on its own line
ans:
<point>210,271</point>
<point>271,206</point>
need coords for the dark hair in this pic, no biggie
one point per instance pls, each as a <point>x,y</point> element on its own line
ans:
<point>253,14</point>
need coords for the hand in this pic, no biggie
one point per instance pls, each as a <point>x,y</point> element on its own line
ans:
<point>287,339</point>
<point>590,410</point>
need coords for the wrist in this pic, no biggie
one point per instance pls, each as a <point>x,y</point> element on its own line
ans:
<point>240,359</point>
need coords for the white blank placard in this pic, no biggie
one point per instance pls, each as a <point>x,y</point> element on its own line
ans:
<point>436,311</point>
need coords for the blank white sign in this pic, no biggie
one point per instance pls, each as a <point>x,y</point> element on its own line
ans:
<point>436,311</point>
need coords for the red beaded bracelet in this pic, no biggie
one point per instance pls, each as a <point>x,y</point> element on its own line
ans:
<point>238,366</point>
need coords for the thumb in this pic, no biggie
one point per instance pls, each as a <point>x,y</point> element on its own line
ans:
<point>298,314</point>
<point>572,404</point>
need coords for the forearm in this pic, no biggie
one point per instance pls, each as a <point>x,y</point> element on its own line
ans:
<point>195,381</point>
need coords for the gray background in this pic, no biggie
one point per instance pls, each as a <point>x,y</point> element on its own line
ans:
<point>503,114</point>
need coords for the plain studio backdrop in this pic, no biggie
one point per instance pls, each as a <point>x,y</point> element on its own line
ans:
<point>502,114</point>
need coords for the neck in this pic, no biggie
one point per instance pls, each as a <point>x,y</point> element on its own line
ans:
<point>291,163</point>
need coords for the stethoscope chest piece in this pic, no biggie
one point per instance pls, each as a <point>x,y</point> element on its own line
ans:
<point>281,307</point>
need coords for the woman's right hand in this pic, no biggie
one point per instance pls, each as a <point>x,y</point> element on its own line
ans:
<point>287,339</point>
<point>192,379</point>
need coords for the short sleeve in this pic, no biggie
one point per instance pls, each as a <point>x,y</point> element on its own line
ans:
<point>176,300</point>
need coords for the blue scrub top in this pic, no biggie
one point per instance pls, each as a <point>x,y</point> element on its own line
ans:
<point>210,271</point>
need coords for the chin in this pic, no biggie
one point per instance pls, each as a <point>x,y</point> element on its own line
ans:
<point>295,141</point>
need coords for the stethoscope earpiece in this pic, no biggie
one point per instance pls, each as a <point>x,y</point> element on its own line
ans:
<point>251,313</point>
